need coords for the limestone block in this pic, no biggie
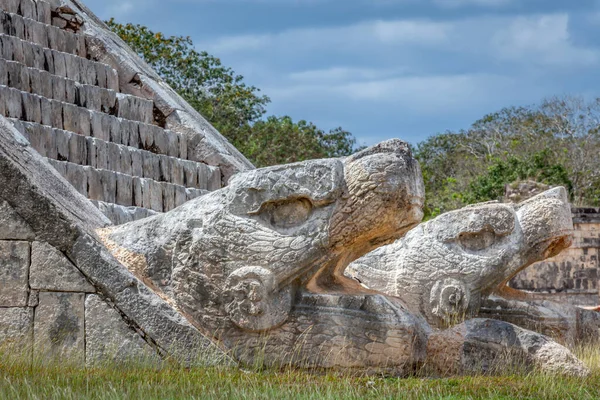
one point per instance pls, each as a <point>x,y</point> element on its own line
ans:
<point>77,177</point>
<point>151,166</point>
<point>46,107</point>
<point>112,79</point>
<point>138,192</point>
<point>85,125</point>
<point>137,165</point>
<point>35,81</point>
<point>95,190</point>
<point>134,108</point>
<point>88,69</point>
<point>73,66</point>
<point>107,97</point>
<point>28,9</point>
<point>125,161</point>
<point>36,33</point>
<point>180,195</point>
<point>52,271</point>
<point>32,108</point>
<point>109,186</point>
<point>12,225</point>
<point>100,126</point>
<point>38,58</point>
<point>161,141</point>
<point>146,193</point>
<point>13,102</point>
<point>49,61</point>
<point>100,71</point>
<point>168,196</point>
<point>101,152</point>
<point>11,6</point>
<point>164,166</point>
<point>62,139</point>
<point>78,149</point>
<point>116,130</point>
<point>124,190</point>
<point>3,72</point>
<point>108,337</point>
<point>57,114</point>
<point>16,327</point>
<point>190,171</point>
<point>177,173</point>
<point>70,91</point>
<point>71,118</point>
<point>214,179</point>
<point>59,88</point>
<point>59,326</point>
<point>44,12</point>
<point>131,133</point>
<point>60,63</point>
<point>156,196</point>
<point>172,144</point>
<point>203,175</point>
<point>14,273</point>
<point>17,76</point>
<point>113,152</point>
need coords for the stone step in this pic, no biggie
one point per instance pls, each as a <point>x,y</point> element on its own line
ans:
<point>124,190</point>
<point>68,146</point>
<point>38,10</point>
<point>53,87</point>
<point>34,108</point>
<point>65,65</point>
<point>120,215</point>
<point>45,35</point>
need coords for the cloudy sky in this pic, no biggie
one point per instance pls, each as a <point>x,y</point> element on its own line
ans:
<point>389,68</point>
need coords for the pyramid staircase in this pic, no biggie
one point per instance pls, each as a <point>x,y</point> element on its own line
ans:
<point>59,89</point>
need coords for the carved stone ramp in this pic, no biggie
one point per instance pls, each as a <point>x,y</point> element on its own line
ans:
<point>53,269</point>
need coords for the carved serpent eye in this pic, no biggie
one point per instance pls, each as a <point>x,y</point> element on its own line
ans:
<point>288,213</point>
<point>256,303</point>
<point>476,241</point>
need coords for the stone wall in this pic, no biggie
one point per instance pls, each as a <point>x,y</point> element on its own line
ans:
<point>48,307</point>
<point>572,276</point>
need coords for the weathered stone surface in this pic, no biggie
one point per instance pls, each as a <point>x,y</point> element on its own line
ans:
<point>233,258</point>
<point>446,267</point>
<point>12,226</point>
<point>108,337</point>
<point>59,326</point>
<point>14,273</point>
<point>489,346</point>
<point>16,327</point>
<point>52,271</point>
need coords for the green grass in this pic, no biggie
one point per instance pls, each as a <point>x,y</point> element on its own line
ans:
<point>18,380</point>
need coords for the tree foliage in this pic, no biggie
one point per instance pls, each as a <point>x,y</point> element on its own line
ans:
<point>556,142</point>
<point>236,109</point>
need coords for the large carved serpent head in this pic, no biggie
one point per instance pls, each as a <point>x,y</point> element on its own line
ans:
<point>242,258</point>
<point>445,267</point>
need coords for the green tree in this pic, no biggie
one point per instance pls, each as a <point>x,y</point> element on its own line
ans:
<point>236,109</point>
<point>269,141</point>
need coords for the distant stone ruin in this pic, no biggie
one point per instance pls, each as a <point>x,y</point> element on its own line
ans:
<point>131,229</point>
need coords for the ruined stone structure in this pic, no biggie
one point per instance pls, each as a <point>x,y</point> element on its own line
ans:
<point>572,276</point>
<point>230,263</point>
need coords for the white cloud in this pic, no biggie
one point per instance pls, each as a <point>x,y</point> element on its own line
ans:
<point>544,40</point>
<point>378,32</point>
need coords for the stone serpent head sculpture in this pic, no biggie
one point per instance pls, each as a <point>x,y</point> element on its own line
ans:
<point>259,265</point>
<point>446,268</point>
